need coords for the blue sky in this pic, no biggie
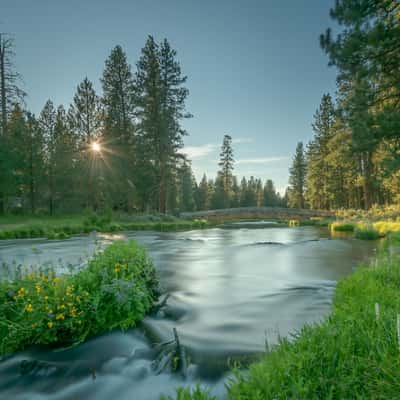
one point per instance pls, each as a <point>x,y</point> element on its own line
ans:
<point>255,69</point>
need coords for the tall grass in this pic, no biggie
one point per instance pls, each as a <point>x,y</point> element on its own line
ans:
<point>63,228</point>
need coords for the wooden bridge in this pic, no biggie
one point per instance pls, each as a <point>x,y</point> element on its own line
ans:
<point>258,213</point>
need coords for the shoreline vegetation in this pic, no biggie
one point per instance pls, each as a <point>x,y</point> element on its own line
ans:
<point>63,227</point>
<point>48,308</point>
<point>353,353</point>
<point>373,224</point>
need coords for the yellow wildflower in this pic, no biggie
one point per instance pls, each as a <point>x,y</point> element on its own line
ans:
<point>29,308</point>
<point>61,307</point>
<point>56,279</point>
<point>38,289</point>
<point>60,316</point>
<point>46,298</point>
<point>50,324</point>
<point>21,292</point>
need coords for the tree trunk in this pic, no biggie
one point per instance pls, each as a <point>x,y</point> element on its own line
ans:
<point>3,88</point>
<point>3,111</point>
<point>162,194</point>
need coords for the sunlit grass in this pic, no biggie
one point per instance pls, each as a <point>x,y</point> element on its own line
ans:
<point>19,227</point>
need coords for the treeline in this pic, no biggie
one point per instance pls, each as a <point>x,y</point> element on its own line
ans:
<point>353,160</point>
<point>225,191</point>
<point>120,150</point>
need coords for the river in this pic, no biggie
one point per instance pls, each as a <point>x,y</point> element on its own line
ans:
<point>230,290</point>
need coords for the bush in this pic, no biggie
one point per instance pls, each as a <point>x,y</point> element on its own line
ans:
<point>116,290</point>
<point>342,227</point>
<point>366,233</point>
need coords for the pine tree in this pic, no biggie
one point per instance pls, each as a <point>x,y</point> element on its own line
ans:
<point>226,164</point>
<point>119,133</point>
<point>47,123</point>
<point>270,195</point>
<point>297,178</point>
<point>203,195</point>
<point>86,119</point>
<point>161,100</point>
<point>85,112</point>
<point>34,166</point>
<point>243,192</point>
<point>317,151</point>
<point>235,199</point>
<point>186,202</point>
<point>219,199</point>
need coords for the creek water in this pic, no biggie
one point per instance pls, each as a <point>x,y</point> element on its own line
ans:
<point>230,290</point>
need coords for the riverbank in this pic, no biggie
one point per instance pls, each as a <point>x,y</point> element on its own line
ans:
<point>371,224</point>
<point>116,289</point>
<point>62,227</point>
<point>354,353</point>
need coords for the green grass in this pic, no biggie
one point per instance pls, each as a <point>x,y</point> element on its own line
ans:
<point>342,227</point>
<point>196,393</point>
<point>62,227</point>
<point>116,290</point>
<point>353,354</point>
<point>366,233</point>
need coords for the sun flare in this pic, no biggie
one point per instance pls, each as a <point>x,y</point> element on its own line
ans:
<point>95,147</point>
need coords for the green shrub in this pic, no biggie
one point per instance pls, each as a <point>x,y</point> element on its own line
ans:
<point>342,227</point>
<point>366,233</point>
<point>116,290</point>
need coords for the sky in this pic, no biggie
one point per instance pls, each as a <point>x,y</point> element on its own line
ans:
<point>255,69</point>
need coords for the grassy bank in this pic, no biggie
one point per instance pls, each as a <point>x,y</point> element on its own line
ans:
<point>62,227</point>
<point>41,308</point>
<point>370,224</point>
<point>353,354</point>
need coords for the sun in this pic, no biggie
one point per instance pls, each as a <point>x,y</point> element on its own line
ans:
<point>95,147</point>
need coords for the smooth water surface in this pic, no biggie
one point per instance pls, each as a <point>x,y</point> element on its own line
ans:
<point>230,290</point>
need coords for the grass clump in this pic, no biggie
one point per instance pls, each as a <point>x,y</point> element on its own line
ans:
<point>366,233</point>
<point>342,227</point>
<point>115,290</point>
<point>353,354</point>
<point>191,394</point>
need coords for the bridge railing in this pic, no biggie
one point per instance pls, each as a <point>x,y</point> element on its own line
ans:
<point>257,212</point>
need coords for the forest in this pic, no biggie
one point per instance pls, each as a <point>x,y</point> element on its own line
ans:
<point>122,150</point>
<point>353,161</point>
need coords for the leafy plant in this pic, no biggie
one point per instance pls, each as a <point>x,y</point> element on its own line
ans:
<point>115,290</point>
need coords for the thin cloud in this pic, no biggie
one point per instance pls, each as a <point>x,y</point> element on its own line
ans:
<point>193,152</point>
<point>242,140</point>
<point>262,160</point>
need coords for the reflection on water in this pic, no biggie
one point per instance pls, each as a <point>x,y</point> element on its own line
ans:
<point>229,289</point>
